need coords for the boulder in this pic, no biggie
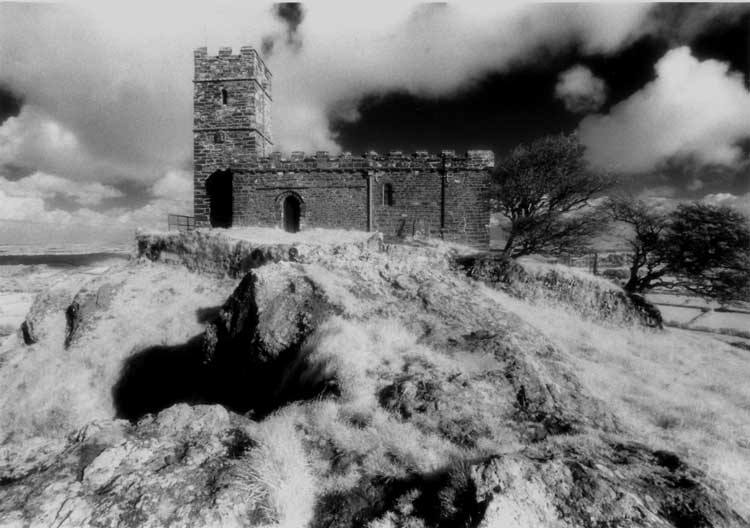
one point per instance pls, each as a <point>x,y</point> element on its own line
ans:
<point>47,304</point>
<point>87,305</point>
<point>270,312</point>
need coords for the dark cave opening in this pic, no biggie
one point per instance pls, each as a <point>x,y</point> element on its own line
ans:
<point>231,374</point>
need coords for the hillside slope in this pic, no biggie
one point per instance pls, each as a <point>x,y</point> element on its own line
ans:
<point>331,384</point>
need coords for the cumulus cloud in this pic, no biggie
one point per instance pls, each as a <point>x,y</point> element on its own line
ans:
<point>693,108</point>
<point>740,202</point>
<point>175,185</point>
<point>665,199</point>
<point>38,141</point>
<point>580,89</point>
<point>117,77</point>
<point>662,191</point>
<point>26,214</point>
<point>42,185</point>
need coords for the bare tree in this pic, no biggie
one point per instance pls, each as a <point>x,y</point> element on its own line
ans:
<point>702,248</point>
<point>545,191</point>
<point>647,266</point>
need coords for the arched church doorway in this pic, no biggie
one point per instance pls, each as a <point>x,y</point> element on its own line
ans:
<point>219,191</point>
<point>291,214</point>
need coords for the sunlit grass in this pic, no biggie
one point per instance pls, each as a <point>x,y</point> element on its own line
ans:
<point>675,389</point>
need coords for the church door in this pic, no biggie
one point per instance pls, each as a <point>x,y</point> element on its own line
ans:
<point>291,214</point>
<point>219,190</point>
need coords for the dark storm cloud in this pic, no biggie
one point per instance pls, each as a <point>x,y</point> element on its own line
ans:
<point>690,177</point>
<point>291,14</point>
<point>10,104</point>
<point>13,172</point>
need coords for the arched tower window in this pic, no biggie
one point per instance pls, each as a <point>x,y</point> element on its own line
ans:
<point>224,96</point>
<point>219,137</point>
<point>388,194</point>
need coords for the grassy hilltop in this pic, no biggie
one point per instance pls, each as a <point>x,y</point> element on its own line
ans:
<point>265,379</point>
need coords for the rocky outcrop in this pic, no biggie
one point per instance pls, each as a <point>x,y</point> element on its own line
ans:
<point>616,484</point>
<point>46,304</point>
<point>624,484</point>
<point>87,305</point>
<point>351,387</point>
<point>183,467</point>
<point>270,312</point>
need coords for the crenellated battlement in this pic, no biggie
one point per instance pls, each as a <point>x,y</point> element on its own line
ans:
<point>231,106</point>
<point>226,66</point>
<point>393,161</point>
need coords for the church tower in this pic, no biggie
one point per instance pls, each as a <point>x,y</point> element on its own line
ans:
<point>231,126</point>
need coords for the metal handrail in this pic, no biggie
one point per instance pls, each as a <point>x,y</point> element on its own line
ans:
<point>180,222</point>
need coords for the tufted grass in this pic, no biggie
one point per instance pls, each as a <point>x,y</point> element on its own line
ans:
<point>675,389</point>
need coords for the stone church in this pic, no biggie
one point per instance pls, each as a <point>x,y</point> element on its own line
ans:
<point>240,181</point>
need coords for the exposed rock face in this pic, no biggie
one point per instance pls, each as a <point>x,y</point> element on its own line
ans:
<point>85,308</point>
<point>615,485</point>
<point>272,311</point>
<point>45,304</point>
<point>353,387</point>
<point>180,468</point>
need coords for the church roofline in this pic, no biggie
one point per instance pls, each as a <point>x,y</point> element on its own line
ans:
<point>393,161</point>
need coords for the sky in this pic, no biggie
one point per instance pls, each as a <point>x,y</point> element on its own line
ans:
<point>96,98</point>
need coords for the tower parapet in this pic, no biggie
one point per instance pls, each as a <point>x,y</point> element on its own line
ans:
<point>226,66</point>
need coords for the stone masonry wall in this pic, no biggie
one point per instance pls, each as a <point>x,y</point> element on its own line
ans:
<point>328,199</point>
<point>228,133</point>
<point>416,203</point>
<point>437,196</point>
<point>467,210</point>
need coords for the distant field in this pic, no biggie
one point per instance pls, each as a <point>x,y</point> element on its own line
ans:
<point>679,315</point>
<point>684,300</point>
<point>724,321</point>
<point>697,314</point>
<point>22,276</point>
<point>60,260</point>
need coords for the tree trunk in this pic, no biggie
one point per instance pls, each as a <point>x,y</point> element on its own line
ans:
<point>509,244</point>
